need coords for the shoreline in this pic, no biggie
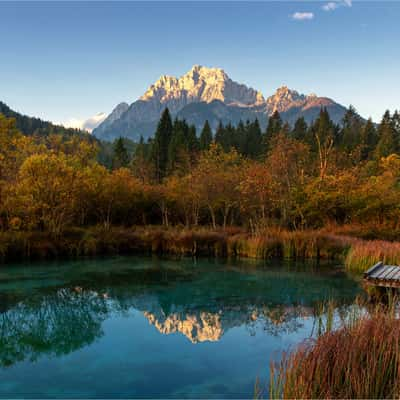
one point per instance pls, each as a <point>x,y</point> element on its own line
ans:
<point>355,253</point>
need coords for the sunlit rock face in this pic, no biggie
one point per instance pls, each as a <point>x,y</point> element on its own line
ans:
<point>197,328</point>
<point>283,99</point>
<point>201,84</point>
<point>209,94</point>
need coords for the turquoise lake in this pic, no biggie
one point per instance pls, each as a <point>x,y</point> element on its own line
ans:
<point>149,327</point>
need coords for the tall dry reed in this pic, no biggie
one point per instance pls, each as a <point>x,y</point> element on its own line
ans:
<point>365,253</point>
<point>360,360</point>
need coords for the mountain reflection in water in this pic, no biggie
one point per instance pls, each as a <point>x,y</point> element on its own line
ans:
<point>137,327</point>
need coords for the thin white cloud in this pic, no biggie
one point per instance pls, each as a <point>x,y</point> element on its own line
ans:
<point>330,6</point>
<point>333,5</point>
<point>302,16</point>
<point>85,124</point>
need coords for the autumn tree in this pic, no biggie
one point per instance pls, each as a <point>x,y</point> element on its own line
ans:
<point>217,176</point>
<point>287,162</point>
<point>141,165</point>
<point>257,195</point>
<point>47,187</point>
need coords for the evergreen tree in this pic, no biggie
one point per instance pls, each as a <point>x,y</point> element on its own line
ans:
<point>285,128</point>
<point>274,127</point>
<point>386,137</point>
<point>368,140</point>
<point>177,148</point>
<point>230,138</point>
<point>192,141</point>
<point>121,156</point>
<point>253,142</point>
<point>323,133</point>
<point>240,139</point>
<point>223,136</point>
<point>274,124</point>
<point>160,145</point>
<point>396,126</point>
<point>299,131</point>
<point>205,137</point>
<point>140,164</point>
<point>351,130</point>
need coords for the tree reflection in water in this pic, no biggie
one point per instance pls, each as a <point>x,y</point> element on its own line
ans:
<point>201,304</point>
<point>51,325</point>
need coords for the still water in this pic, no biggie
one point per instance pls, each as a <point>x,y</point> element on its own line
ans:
<point>148,327</point>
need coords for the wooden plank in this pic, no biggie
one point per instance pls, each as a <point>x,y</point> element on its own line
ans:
<point>380,272</point>
<point>388,269</point>
<point>377,272</point>
<point>373,268</point>
<point>396,276</point>
<point>393,273</point>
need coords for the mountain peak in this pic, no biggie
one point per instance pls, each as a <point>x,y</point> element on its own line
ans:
<point>200,84</point>
<point>284,98</point>
<point>208,93</point>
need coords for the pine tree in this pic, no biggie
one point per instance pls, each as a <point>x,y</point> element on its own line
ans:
<point>323,133</point>
<point>351,130</point>
<point>274,127</point>
<point>140,163</point>
<point>386,137</point>
<point>368,140</point>
<point>205,137</point>
<point>121,156</point>
<point>224,136</point>
<point>192,141</point>
<point>241,133</point>
<point>162,138</point>
<point>253,142</point>
<point>396,126</point>
<point>177,148</point>
<point>299,131</point>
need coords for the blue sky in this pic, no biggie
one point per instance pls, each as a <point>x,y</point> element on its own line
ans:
<point>64,60</point>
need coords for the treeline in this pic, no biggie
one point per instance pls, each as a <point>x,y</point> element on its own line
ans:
<point>176,146</point>
<point>293,177</point>
<point>37,127</point>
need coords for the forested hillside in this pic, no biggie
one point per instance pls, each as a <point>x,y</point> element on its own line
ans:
<point>296,178</point>
<point>35,126</point>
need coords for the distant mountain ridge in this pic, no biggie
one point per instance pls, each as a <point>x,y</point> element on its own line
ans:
<point>209,94</point>
<point>35,126</point>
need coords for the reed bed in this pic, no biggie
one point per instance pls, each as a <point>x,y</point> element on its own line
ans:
<point>363,254</point>
<point>359,360</point>
<point>295,245</point>
<point>357,254</point>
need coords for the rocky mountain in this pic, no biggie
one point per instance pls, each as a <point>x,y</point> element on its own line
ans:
<point>200,84</point>
<point>103,129</point>
<point>208,93</point>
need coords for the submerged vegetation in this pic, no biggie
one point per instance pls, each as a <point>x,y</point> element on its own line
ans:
<point>294,192</point>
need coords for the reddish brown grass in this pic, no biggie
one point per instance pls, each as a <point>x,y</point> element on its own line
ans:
<point>361,360</point>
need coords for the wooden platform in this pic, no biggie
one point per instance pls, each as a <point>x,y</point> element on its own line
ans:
<point>383,275</point>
